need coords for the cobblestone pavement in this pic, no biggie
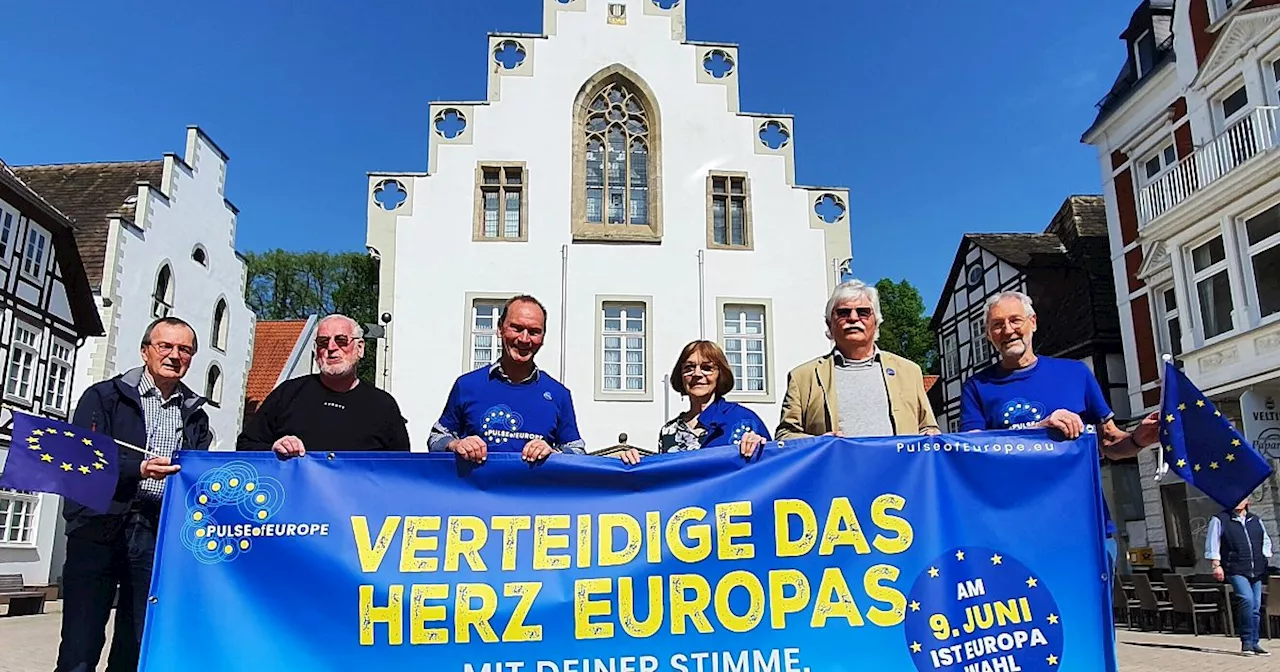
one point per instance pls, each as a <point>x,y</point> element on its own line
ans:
<point>30,644</point>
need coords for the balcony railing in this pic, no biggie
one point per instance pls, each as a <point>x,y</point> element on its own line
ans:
<point>1242,141</point>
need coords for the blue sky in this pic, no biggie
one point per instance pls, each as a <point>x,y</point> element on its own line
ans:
<point>941,117</point>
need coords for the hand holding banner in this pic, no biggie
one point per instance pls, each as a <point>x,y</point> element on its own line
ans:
<point>912,553</point>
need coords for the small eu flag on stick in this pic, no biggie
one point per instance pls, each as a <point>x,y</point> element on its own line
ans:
<point>1202,446</point>
<point>58,458</point>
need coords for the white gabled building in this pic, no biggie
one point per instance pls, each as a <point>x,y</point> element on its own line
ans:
<point>158,238</point>
<point>1189,151</point>
<point>47,312</point>
<point>611,173</point>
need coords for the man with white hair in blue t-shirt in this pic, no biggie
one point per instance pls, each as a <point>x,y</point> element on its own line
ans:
<point>1025,390</point>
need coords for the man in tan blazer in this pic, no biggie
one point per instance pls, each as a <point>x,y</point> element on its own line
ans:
<point>857,389</point>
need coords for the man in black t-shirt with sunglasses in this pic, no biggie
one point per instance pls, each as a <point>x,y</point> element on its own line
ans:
<point>331,410</point>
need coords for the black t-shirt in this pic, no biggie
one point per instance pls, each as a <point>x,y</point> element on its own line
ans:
<point>362,418</point>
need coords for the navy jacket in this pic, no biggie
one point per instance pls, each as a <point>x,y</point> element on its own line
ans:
<point>1241,546</point>
<point>114,408</point>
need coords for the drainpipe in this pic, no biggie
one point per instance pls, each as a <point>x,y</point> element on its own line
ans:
<point>564,305</point>
<point>666,397</point>
<point>702,295</point>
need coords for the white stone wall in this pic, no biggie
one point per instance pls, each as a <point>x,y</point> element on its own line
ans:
<point>187,210</point>
<point>430,263</point>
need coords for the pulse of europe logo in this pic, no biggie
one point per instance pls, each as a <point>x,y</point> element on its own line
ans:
<point>1020,413</point>
<point>501,424</point>
<point>230,508</point>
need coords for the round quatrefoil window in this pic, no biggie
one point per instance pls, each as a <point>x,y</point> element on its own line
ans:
<point>509,54</point>
<point>390,194</point>
<point>830,208</point>
<point>718,63</point>
<point>450,123</point>
<point>774,135</point>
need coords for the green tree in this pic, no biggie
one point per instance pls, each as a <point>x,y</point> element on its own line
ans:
<point>906,329</point>
<point>285,285</point>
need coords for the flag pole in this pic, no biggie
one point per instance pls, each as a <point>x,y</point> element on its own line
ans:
<point>1161,467</point>
<point>130,446</point>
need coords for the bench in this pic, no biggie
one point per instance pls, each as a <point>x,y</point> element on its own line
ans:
<point>23,601</point>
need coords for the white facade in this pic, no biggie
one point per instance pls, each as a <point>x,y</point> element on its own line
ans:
<point>504,209</point>
<point>177,257</point>
<point>39,340</point>
<point>1190,165</point>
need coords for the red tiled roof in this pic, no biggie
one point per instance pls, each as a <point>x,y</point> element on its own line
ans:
<point>273,342</point>
<point>929,381</point>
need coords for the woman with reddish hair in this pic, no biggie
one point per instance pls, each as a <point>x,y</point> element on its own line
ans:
<point>703,375</point>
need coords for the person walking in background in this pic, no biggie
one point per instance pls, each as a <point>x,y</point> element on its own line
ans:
<point>702,373</point>
<point>1238,546</point>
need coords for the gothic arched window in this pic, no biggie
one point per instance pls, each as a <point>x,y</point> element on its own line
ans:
<point>616,160</point>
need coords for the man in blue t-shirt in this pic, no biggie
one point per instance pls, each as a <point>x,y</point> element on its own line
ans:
<point>512,405</point>
<point>1023,390</point>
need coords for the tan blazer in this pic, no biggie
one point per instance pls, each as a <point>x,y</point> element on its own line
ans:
<point>810,407</point>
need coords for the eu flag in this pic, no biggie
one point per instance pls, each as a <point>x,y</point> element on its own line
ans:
<point>1203,447</point>
<point>50,456</point>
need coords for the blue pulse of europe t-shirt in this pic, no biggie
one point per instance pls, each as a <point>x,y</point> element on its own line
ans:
<point>508,415</point>
<point>996,398</point>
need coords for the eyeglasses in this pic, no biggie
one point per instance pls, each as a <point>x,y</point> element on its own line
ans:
<point>341,340</point>
<point>864,312</point>
<point>164,349</point>
<point>706,369</point>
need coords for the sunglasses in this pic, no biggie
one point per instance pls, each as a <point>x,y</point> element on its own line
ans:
<point>341,341</point>
<point>864,312</point>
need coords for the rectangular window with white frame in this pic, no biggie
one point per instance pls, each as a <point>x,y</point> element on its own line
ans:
<point>484,335</point>
<point>502,213</point>
<point>24,354</point>
<point>9,220</point>
<point>1212,283</point>
<point>746,337</point>
<point>1157,162</point>
<point>1170,322</point>
<point>18,517</point>
<point>58,376</point>
<point>1221,7</point>
<point>1231,105</point>
<point>37,248</point>
<point>1262,246</point>
<point>624,353</point>
<point>950,355</point>
<point>1273,72</point>
<point>729,211</point>
<point>981,347</point>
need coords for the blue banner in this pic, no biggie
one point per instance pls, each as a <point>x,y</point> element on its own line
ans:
<point>972,552</point>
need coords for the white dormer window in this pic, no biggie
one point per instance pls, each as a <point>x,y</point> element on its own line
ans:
<point>1144,53</point>
<point>34,254</point>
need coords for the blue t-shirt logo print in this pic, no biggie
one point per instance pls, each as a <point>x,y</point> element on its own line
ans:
<point>1021,411</point>
<point>502,418</point>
